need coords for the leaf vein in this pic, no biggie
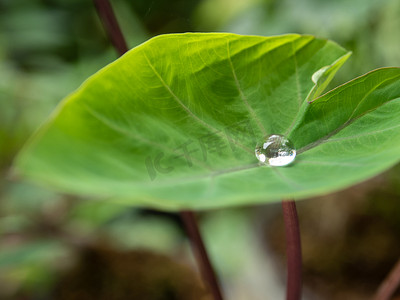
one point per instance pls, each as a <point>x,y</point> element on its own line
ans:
<point>176,98</point>
<point>325,138</point>
<point>112,126</point>
<point>242,95</point>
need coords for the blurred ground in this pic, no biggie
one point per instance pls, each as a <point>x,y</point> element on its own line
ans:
<point>49,47</point>
<point>350,239</point>
<point>103,273</point>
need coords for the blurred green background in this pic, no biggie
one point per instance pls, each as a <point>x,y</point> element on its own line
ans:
<point>56,246</point>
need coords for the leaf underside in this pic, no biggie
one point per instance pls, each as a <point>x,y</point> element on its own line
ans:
<point>174,123</point>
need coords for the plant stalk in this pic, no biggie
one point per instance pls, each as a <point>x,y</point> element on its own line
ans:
<point>110,23</point>
<point>390,284</point>
<point>293,251</point>
<point>206,269</point>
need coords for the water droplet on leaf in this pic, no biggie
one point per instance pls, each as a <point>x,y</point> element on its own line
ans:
<point>276,151</point>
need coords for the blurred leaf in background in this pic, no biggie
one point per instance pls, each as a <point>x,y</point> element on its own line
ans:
<point>366,27</point>
<point>49,47</point>
<point>159,16</point>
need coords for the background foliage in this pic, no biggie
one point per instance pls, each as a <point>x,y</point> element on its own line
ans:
<point>49,47</point>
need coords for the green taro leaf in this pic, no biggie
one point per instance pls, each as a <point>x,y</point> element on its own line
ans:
<point>174,123</point>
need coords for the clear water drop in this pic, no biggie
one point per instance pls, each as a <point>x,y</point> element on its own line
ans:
<point>276,150</point>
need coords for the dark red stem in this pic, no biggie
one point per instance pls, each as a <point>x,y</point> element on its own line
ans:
<point>293,250</point>
<point>110,24</point>
<point>206,269</point>
<point>390,284</point>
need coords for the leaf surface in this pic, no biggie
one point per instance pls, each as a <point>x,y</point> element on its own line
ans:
<point>174,123</point>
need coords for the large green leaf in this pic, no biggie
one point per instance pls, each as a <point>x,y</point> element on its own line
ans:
<point>175,121</point>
